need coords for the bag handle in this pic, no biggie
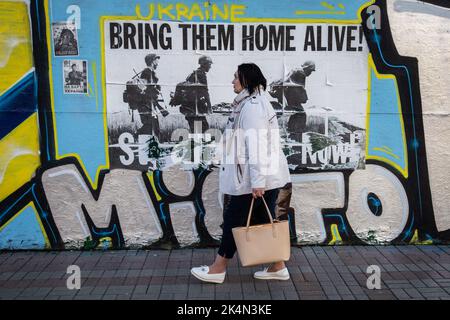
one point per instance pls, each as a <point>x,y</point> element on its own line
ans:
<point>250,216</point>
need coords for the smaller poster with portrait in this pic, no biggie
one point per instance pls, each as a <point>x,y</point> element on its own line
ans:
<point>65,40</point>
<point>75,76</point>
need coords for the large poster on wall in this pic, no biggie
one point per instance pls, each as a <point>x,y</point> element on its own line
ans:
<point>165,80</point>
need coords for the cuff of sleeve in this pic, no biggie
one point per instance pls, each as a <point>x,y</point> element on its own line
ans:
<point>259,184</point>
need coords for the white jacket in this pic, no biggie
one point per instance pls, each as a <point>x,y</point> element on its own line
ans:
<point>251,153</point>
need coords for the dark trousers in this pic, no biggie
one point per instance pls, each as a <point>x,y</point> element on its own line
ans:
<point>296,126</point>
<point>235,213</point>
<point>149,121</point>
<point>283,202</point>
<point>191,119</point>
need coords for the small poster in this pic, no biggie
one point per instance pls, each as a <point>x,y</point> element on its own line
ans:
<point>65,41</point>
<point>75,76</point>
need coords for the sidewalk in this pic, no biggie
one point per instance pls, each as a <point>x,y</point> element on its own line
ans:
<point>317,272</point>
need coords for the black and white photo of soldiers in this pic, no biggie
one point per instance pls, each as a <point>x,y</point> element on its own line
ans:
<point>320,97</point>
<point>290,93</point>
<point>144,95</point>
<point>192,95</point>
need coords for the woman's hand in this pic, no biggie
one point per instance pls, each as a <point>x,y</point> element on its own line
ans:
<point>257,192</point>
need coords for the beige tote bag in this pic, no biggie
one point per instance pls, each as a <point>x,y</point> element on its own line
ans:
<point>263,243</point>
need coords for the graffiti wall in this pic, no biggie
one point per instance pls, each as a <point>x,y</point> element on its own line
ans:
<point>111,113</point>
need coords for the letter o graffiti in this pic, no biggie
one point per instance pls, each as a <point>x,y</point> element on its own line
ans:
<point>385,185</point>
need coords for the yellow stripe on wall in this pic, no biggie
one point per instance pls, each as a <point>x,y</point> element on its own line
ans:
<point>16,57</point>
<point>19,157</point>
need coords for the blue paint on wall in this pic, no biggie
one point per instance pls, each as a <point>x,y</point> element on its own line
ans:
<point>17,104</point>
<point>385,121</point>
<point>23,232</point>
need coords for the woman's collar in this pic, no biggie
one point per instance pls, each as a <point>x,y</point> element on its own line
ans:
<point>241,96</point>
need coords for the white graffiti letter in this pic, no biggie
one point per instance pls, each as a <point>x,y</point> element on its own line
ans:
<point>66,191</point>
<point>392,200</point>
<point>310,194</point>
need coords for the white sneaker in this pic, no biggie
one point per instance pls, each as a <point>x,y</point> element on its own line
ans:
<point>201,273</point>
<point>282,274</point>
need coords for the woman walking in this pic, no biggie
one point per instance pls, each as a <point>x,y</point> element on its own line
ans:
<point>253,166</point>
